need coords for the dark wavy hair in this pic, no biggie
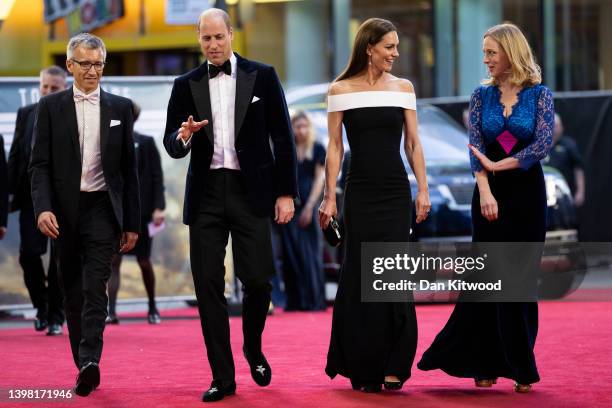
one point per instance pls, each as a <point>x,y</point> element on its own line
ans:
<point>369,33</point>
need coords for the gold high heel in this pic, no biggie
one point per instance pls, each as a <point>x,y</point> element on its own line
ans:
<point>485,382</point>
<point>393,385</point>
<point>522,388</point>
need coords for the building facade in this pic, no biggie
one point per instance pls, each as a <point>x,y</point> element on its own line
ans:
<point>309,41</point>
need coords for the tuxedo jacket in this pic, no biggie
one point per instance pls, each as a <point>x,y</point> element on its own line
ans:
<point>19,158</point>
<point>150,176</point>
<point>260,114</point>
<point>3,186</point>
<point>55,166</point>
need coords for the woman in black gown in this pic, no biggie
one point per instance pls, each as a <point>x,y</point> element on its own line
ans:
<point>372,343</point>
<point>510,127</point>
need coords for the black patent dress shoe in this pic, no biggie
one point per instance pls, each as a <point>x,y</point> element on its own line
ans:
<point>54,330</point>
<point>218,391</point>
<point>260,369</point>
<point>111,319</point>
<point>88,379</point>
<point>153,317</point>
<point>40,324</point>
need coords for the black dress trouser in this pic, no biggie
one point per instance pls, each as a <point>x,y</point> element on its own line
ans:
<point>84,255</point>
<point>224,208</point>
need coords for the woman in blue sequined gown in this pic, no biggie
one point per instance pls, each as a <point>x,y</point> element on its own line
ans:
<point>372,343</point>
<point>510,128</point>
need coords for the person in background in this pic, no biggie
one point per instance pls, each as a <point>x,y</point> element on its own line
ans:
<point>45,293</point>
<point>565,157</point>
<point>301,237</point>
<point>3,191</point>
<point>152,204</point>
<point>466,118</point>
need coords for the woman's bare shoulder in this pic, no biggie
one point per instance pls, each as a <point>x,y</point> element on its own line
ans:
<point>341,87</point>
<point>401,85</point>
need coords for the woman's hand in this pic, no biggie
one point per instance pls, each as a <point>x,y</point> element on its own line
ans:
<point>158,217</point>
<point>422,206</point>
<point>327,209</point>
<point>488,206</point>
<point>484,160</point>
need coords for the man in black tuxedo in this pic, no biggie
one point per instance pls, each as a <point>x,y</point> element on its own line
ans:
<point>44,291</point>
<point>3,191</point>
<point>234,183</point>
<point>85,194</point>
<point>152,205</point>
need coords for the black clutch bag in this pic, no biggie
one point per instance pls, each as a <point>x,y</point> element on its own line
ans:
<point>333,234</point>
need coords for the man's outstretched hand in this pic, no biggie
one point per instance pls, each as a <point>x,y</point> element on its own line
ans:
<point>190,127</point>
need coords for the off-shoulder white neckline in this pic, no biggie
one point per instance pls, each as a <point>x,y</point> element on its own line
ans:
<point>370,99</point>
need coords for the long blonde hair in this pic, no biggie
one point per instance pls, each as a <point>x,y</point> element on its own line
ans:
<point>524,69</point>
<point>299,115</point>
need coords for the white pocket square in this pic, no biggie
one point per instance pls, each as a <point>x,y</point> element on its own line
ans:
<point>115,122</point>
<point>255,99</point>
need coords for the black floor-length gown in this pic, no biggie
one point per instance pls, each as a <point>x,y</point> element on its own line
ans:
<point>371,340</point>
<point>489,340</point>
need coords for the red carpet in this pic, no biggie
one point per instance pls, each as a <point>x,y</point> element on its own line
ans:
<point>165,365</point>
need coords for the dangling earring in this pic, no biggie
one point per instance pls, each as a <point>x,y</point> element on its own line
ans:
<point>369,59</point>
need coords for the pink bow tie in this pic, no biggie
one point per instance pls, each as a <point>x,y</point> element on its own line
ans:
<point>92,98</point>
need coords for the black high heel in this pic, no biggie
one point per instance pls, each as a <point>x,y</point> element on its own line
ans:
<point>372,387</point>
<point>365,387</point>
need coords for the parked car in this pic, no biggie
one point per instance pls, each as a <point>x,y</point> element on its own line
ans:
<point>451,186</point>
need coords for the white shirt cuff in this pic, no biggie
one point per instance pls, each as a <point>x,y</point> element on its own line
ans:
<point>186,143</point>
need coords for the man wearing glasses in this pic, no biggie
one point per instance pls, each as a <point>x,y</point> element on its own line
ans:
<point>85,195</point>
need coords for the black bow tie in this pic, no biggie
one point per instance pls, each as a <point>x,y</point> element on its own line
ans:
<point>213,70</point>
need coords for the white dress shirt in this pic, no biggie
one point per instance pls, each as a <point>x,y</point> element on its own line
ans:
<point>222,102</point>
<point>222,89</point>
<point>88,121</point>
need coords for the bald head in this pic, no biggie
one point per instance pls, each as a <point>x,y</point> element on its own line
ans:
<point>214,14</point>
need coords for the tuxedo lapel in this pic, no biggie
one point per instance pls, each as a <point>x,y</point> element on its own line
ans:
<point>69,113</point>
<point>105,118</point>
<point>27,142</point>
<point>245,81</point>
<point>201,97</point>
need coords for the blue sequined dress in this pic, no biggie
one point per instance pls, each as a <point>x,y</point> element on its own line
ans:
<point>489,340</point>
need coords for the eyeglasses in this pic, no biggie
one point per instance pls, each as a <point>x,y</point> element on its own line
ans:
<point>86,65</point>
